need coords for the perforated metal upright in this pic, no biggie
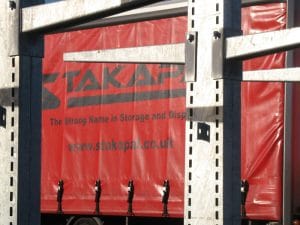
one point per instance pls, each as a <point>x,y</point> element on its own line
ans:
<point>212,157</point>
<point>20,101</point>
<point>8,131</point>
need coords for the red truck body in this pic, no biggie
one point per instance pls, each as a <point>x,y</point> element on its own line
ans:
<point>122,122</point>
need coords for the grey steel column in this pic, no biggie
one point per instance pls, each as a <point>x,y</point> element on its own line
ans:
<point>288,116</point>
<point>20,91</point>
<point>9,132</point>
<point>212,158</point>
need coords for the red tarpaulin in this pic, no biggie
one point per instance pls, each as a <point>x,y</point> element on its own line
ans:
<point>262,120</point>
<point>121,122</point>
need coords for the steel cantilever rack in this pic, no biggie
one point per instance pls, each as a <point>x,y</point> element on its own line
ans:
<point>212,54</point>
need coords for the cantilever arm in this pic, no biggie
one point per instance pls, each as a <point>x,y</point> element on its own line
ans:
<point>42,17</point>
<point>250,46</point>
<point>172,53</point>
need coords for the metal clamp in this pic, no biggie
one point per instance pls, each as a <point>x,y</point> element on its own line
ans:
<point>60,192</point>
<point>130,190</point>
<point>165,197</point>
<point>98,191</point>
<point>244,192</point>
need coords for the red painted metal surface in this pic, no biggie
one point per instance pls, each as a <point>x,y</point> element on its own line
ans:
<point>121,122</point>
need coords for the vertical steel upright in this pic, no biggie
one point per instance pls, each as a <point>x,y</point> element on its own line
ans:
<point>288,116</point>
<point>9,115</point>
<point>212,158</point>
<point>20,102</point>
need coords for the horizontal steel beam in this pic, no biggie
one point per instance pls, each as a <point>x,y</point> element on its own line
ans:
<point>250,46</point>
<point>63,13</point>
<point>169,54</point>
<point>259,2</point>
<point>159,10</point>
<point>276,75</point>
<point>172,54</point>
<point>238,47</point>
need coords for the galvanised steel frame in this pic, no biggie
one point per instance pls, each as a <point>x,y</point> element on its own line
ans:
<point>212,54</point>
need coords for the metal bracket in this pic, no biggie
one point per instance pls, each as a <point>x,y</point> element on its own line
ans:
<point>2,117</point>
<point>222,67</point>
<point>217,54</point>
<point>190,56</point>
<point>203,132</point>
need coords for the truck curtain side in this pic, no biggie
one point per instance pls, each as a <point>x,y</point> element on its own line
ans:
<point>124,125</point>
<point>262,121</point>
